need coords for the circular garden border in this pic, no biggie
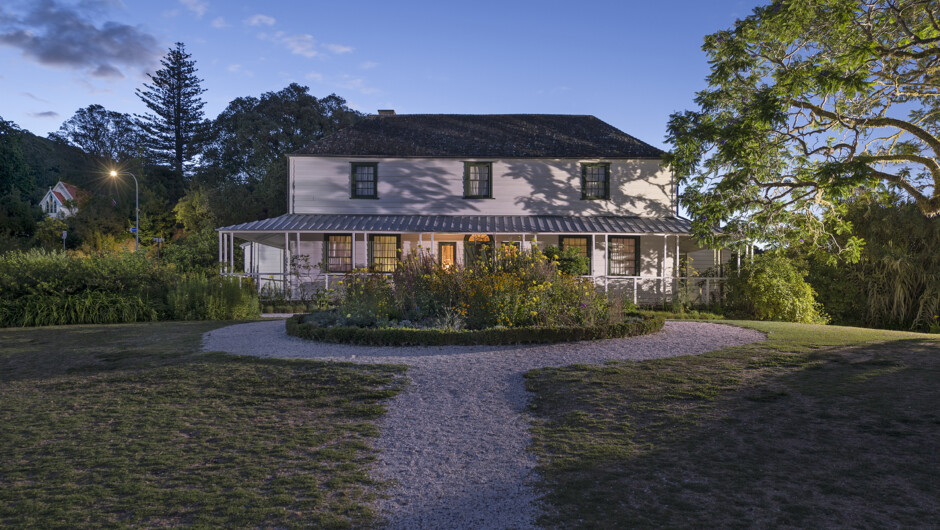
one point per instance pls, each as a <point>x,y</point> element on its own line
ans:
<point>492,336</point>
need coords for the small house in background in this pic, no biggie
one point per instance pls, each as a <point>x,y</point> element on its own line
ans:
<point>62,200</point>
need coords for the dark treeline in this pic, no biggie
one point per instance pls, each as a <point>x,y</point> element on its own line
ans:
<point>195,173</point>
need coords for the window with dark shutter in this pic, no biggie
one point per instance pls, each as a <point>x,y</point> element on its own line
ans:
<point>364,181</point>
<point>595,181</point>
<point>478,180</point>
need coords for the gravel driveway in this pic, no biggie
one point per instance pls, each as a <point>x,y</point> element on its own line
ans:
<point>455,441</point>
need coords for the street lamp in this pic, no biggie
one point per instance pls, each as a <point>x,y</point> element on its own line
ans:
<point>136,206</point>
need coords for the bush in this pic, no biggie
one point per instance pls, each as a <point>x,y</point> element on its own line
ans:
<point>517,289</point>
<point>43,288</point>
<point>90,307</point>
<point>313,329</point>
<point>771,288</point>
<point>219,298</point>
<point>568,261</point>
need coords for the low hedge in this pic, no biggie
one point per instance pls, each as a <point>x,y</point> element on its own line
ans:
<point>491,336</point>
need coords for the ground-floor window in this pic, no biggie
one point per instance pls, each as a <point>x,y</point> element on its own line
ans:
<point>623,255</point>
<point>338,253</point>
<point>580,243</point>
<point>384,252</point>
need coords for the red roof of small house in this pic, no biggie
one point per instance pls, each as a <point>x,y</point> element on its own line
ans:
<point>76,193</point>
<point>59,196</point>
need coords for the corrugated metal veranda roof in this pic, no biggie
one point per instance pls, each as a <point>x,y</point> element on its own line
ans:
<point>466,224</point>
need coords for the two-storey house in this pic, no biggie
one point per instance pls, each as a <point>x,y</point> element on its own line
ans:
<point>458,185</point>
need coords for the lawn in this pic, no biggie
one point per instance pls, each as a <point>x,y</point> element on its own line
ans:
<point>820,426</point>
<point>129,425</point>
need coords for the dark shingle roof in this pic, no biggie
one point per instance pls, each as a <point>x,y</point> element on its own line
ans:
<point>483,136</point>
<point>467,224</point>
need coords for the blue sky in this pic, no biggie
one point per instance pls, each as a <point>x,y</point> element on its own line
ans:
<point>630,63</point>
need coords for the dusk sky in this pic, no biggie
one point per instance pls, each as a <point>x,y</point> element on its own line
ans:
<point>630,63</point>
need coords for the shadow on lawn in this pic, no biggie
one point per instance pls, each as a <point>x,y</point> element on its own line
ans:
<point>843,438</point>
<point>129,425</point>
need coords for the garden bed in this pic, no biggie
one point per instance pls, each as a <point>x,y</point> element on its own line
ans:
<point>631,326</point>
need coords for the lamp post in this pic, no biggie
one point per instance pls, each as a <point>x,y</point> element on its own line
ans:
<point>136,206</point>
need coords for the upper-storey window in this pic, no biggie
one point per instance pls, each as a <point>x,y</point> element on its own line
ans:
<point>478,180</point>
<point>595,181</point>
<point>364,180</point>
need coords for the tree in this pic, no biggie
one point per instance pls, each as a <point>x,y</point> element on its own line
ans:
<point>14,171</point>
<point>245,159</point>
<point>174,130</point>
<point>100,132</point>
<point>808,101</point>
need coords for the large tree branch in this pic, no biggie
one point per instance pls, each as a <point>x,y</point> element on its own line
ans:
<point>871,122</point>
<point>929,205</point>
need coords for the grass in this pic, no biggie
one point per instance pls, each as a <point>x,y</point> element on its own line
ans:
<point>819,426</point>
<point>129,425</point>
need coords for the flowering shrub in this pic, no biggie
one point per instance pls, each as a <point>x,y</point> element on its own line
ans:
<point>511,289</point>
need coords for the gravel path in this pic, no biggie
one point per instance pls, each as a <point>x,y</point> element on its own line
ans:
<point>455,441</point>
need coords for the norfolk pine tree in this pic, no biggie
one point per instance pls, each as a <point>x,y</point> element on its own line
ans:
<point>809,101</point>
<point>174,130</point>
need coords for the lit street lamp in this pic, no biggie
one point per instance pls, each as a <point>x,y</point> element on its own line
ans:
<point>136,206</point>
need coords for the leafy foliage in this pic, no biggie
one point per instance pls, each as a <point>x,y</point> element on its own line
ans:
<point>44,288</point>
<point>245,163</point>
<point>100,132</point>
<point>568,261</point>
<point>513,289</point>
<point>300,326</point>
<point>771,288</point>
<point>807,101</point>
<point>219,298</point>
<point>174,128</point>
<point>896,282</point>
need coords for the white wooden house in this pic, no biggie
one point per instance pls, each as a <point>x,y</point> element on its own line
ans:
<point>454,184</point>
<point>61,200</point>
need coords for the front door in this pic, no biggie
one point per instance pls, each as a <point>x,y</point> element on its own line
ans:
<point>448,254</point>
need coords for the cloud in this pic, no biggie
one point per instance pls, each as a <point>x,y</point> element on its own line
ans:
<point>260,20</point>
<point>90,88</point>
<point>314,76</point>
<point>368,65</point>
<point>198,7</point>
<point>339,48</point>
<point>106,71</point>
<point>45,114</point>
<point>301,45</point>
<point>34,97</point>
<point>60,35</point>
<point>220,23</point>
<point>355,83</point>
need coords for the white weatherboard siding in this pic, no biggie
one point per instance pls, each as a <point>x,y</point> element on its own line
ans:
<point>434,186</point>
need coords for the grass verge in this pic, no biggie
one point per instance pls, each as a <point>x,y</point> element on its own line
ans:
<point>129,425</point>
<point>818,426</point>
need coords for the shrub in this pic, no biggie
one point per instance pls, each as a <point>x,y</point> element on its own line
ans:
<point>568,261</point>
<point>317,328</point>
<point>771,288</point>
<point>41,288</point>
<point>90,307</point>
<point>218,298</point>
<point>515,289</point>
